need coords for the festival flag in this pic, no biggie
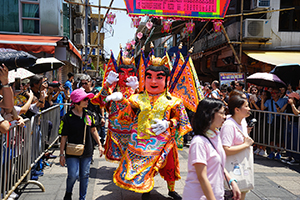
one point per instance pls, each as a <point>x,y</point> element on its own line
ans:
<point>183,86</point>
<point>110,66</point>
<point>197,83</point>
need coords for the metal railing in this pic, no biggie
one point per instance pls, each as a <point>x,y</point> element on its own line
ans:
<point>22,147</point>
<point>277,130</point>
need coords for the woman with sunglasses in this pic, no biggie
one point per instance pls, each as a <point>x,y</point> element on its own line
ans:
<point>75,124</point>
<point>206,172</point>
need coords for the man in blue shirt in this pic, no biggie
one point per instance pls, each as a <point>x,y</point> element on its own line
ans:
<point>275,104</point>
<point>59,95</point>
<point>69,83</point>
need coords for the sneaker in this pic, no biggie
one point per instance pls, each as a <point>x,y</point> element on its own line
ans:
<point>262,153</point>
<point>175,195</point>
<point>293,162</point>
<point>271,155</point>
<point>286,160</point>
<point>278,156</point>
<point>256,151</point>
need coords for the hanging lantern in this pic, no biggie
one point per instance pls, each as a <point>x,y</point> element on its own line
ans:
<point>128,45</point>
<point>110,18</point>
<point>139,35</point>
<point>149,25</point>
<point>132,42</point>
<point>136,21</point>
<point>217,26</point>
<point>189,27</point>
<point>166,26</point>
<point>126,53</point>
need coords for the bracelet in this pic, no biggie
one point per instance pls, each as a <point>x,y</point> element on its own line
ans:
<point>60,155</point>
<point>6,86</point>
<point>233,179</point>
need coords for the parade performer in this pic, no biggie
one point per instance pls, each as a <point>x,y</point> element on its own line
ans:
<point>152,146</point>
<point>119,117</point>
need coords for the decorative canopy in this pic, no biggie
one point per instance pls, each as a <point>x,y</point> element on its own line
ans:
<point>202,9</point>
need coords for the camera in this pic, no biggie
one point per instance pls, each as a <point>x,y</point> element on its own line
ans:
<point>54,84</point>
<point>252,122</point>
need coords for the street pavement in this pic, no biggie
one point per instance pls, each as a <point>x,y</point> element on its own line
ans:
<point>273,181</point>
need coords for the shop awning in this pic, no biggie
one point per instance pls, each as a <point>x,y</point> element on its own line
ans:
<point>33,43</point>
<point>275,57</point>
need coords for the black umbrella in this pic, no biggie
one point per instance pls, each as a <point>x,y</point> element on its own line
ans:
<point>288,73</point>
<point>266,80</point>
<point>45,64</point>
<point>15,59</point>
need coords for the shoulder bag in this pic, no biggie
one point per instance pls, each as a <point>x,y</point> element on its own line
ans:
<point>240,166</point>
<point>76,149</point>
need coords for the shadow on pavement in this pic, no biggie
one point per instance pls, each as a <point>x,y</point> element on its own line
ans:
<point>274,163</point>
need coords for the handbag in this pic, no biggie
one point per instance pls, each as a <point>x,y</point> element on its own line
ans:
<point>240,166</point>
<point>76,149</point>
<point>228,194</point>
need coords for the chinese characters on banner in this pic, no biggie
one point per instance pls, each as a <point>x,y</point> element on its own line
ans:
<point>227,77</point>
<point>180,5</point>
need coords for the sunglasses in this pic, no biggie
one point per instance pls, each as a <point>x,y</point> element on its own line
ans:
<point>85,83</point>
<point>85,99</point>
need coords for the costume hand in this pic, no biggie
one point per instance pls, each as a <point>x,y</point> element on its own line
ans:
<point>160,126</point>
<point>112,77</point>
<point>116,96</point>
<point>132,82</point>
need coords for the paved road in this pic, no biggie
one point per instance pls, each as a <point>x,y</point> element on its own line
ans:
<point>273,180</point>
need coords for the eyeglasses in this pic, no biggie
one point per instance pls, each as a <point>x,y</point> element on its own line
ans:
<point>222,113</point>
<point>86,99</point>
<point>85,83</point>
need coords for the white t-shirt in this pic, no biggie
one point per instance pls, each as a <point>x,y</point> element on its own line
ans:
<point>201,151</point>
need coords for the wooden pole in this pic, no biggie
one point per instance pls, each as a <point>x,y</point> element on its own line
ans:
<point>232,48</point>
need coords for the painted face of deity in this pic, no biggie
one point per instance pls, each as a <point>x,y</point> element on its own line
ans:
<point>155,82</point>
<point>124,74</point>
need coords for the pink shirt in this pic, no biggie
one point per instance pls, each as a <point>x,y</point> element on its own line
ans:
<point>201,151</point>
<point>229,133</point>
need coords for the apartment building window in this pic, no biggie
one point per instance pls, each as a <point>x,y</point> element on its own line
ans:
<point>289,20</point>
<point>20,16</point>
<point>66,18</point>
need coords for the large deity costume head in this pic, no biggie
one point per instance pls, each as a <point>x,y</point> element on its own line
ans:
<point>156,79</point>
<point>124,72</point>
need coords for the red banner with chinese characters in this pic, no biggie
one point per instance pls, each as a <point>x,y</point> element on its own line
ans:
<point>199,9</point>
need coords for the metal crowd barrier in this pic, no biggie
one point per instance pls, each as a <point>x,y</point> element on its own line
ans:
<point>283,129</point>
<point>22,147</point>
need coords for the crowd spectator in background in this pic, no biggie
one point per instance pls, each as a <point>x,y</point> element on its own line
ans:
<point>216,92</point>
<point>254,100</point>
<point>232,84</point>
<point>240,85</point>
<point>275,104</point>
<point>293,107</point>
<point>69,83</point>
<point>38,85</point>
<point>282,92</point>
<point>205,178</point>
<point>289,89</point>
<point>59,95</point>
<point>207,89</point>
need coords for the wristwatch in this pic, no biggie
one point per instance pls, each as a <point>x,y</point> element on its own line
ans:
<point>6,86</point>
<point>60,155</point>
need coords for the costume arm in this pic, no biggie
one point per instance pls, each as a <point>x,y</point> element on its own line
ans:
<point>179,119</point>
<point>99,99</point>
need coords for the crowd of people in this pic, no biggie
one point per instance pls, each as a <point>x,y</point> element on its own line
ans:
<point>145,128</point>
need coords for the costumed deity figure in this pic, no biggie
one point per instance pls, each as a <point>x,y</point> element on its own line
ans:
<point>152,147</point>
<point>120,121</point>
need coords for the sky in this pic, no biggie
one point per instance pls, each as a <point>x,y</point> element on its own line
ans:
<point>123,32</point>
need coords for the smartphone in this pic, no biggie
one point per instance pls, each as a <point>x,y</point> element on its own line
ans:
<point>252,122</point>
<point>17,84</point>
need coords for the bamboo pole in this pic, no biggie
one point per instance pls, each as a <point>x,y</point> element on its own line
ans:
<point>94,6</point>
<point>232,48</point>
<point>241,32</point>
<point>260,12</point>
<point>98,46</point>
<point>199,33</point>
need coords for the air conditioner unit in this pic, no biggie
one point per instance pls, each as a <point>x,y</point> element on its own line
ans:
<point>257,29</point>
<point>260,4</point>
<point>78,39</point>
<point>78,9</point>
<point>78,23</point>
